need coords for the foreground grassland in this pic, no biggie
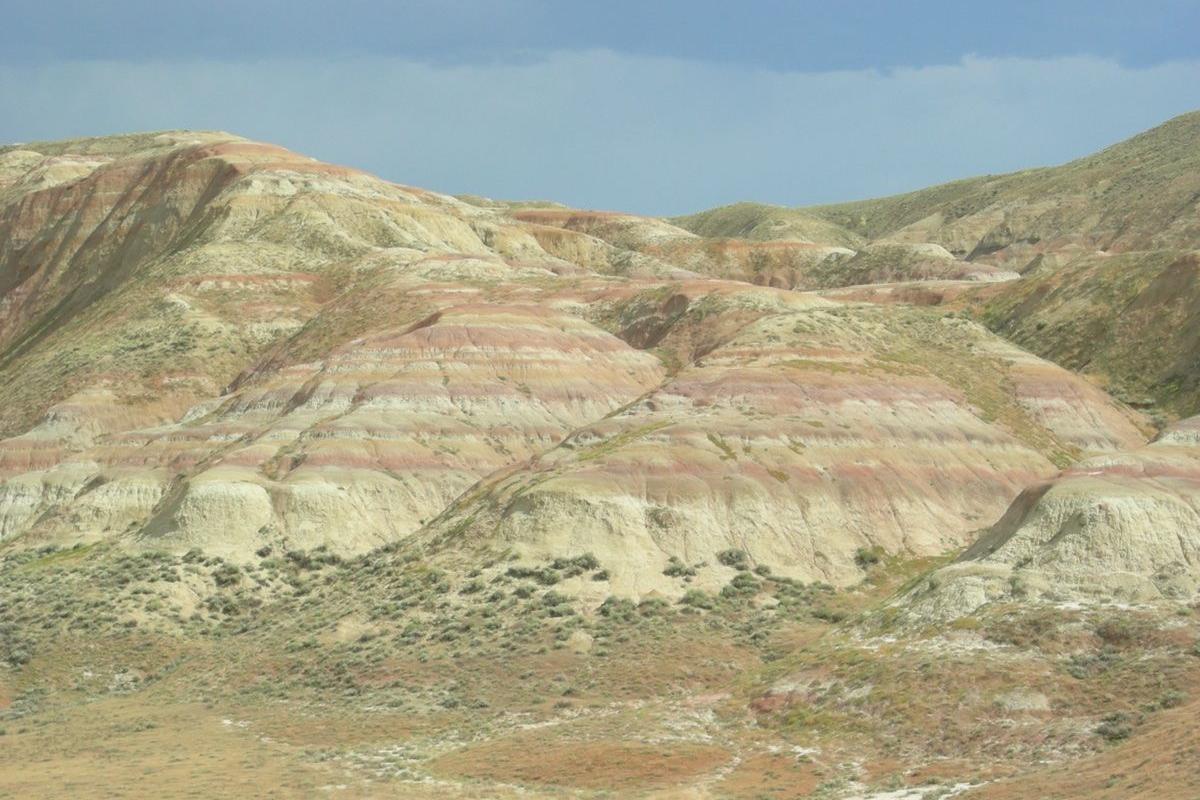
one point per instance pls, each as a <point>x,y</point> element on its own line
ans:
<point>380,677</point>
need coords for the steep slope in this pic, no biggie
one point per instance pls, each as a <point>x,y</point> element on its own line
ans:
<point>1123,526</point>
<point>249,237</point>
<point>815,433</point>
<point>1130,321</point>
<point>185,266</point>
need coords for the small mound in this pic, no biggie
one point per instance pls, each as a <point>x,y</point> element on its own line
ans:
<point>1122,528</point>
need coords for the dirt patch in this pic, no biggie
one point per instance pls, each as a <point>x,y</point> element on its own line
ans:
<point>1162,763</point>
<point>615,766</point>
<point>127,748</point>
<point>781,776</point>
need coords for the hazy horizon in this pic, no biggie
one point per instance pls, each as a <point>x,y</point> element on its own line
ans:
<point>661,110</point>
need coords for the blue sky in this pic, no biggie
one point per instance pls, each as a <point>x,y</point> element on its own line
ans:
<point>656,107</point>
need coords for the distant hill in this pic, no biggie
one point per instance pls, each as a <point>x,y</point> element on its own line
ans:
<point>1105,245</point>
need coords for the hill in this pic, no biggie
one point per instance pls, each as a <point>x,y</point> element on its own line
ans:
<point>212,342</point>
<point>1105,245</point>
<point>350,486</point>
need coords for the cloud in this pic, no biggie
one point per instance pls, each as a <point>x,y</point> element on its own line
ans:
<point>602,129</point>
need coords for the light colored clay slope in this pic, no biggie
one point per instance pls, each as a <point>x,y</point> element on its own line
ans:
<point>215,343</point>
<point>1123,526</point>
<point>163,272</point>
<point>178,315</point>
<point>813,432</point>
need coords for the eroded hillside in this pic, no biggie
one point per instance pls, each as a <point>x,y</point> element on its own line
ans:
<point>1105,246</point>
<point>360,487</point>
<point>223,345</point>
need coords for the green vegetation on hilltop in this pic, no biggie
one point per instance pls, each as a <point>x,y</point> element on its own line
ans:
<point>761,222</point>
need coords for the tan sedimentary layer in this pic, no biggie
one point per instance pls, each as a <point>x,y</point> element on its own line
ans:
<point>214,343</point>
<point>1123,526</point>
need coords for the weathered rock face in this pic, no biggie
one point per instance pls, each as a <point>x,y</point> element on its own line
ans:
<point>812,432</point>
<point>1124,526</point>
<point>250,345</point>
<point>380,436</point>
<point>208,342</point>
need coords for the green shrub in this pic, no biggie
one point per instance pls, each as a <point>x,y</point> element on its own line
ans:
<point>1172,698</point>
<point>543,575</point>
<point>677,569</point>
<point>618,608</point>
<point>698,598</point>
<point>1027,629</point>
<point>651,606</point>
<point>743,584</point>
<point>585,563</point>
<point>829,615</point>
<point>1123,631</point>
<point>734,558</point>
<point>1115,727</point>
<point>1081,666</point>
<point>867,557</point>
<point>227,575</point>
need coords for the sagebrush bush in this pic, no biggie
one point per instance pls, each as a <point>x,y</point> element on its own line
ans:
<point>734,558</point>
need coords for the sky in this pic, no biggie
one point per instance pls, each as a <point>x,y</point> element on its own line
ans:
<point>653,107</point>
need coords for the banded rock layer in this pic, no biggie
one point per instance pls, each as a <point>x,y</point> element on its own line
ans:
<point>208,342</point>
<point>1121,526</point>
<point>814,432</point>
